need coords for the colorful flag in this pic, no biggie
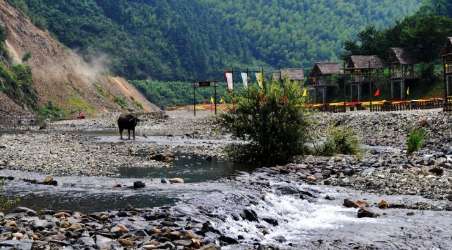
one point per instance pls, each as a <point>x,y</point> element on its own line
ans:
<point>222,100</point>
<point>260,79</point>
<point>377,93</point>
<point>408,91</point>
<point>229,80</point>
<point>212,100</point>
<point>305,93</point>
<point>245,80</point>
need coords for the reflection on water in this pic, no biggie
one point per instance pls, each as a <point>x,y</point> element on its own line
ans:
<point>88,194</point>
<point>191,168</point>
<point>88,202</point>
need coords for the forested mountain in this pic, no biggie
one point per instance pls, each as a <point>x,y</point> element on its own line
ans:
<point>178,39</point>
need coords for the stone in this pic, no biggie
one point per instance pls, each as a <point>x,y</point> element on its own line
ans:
<point>271,221</point>
<point>174,235</point>
<point>437,171</point>
<point>86,241</point>
<point>166,157</point>
<point>104,242</point>
<point>280,239</point>
<point>285,190</point>
<point>28,211</point>
<point>366,213</point>
<point>196,243</point>
<point>311,178</point>
<point>210,247</point>
<point>76,227</point>
<point>121,229</point>
<point>383,204</point>
<point>176,180</point>
<point>184,243</point>
<point>350,204</point>
<point>49,181</point>
<point>38,224</point>
<point>150,247</point>
<point>249,215</point>
<point>138,185</point>
<point>11,224</point>
<point>16,244</point>
<point>167,245</point>
<point>228,240</point>
<point>362,203</point>
<point>355,204</point>
<point>62,215</point>
<point>449,197</point>
<point>18,236</point>
<point>126,242</point>
<point>329,198</point>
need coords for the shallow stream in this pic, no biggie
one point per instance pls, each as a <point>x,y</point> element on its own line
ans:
<point>219,191</point>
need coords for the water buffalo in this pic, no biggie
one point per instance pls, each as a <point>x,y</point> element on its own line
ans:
<point>129,122</point>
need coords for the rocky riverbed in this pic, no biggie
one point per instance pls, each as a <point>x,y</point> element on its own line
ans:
<point>311,203</point>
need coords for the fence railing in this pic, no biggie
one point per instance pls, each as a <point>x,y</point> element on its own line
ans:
<point>384,106</point>
<point>448,104</point>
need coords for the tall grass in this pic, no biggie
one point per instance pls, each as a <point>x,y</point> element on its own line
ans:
<point>415,140</point>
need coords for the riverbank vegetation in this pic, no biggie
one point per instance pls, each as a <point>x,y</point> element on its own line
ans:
<point>272,119</point>
<point>415,140</point>
<point>340,140</point>
<point>16,79</point>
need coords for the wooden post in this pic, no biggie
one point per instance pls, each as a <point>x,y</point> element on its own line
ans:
<point>215,96</point>
<point>445,82</point>
<point>194,99</point>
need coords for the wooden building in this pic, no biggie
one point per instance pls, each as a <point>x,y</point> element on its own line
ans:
<point>324,81</point>
<point>292,74</point>
<point>446,54</point>
<point>361,70</point>
<point>401,68</point>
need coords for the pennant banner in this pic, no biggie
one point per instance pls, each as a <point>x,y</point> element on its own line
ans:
<point>229,79</point>
<point>377,93</point>
<point>260,79</point>
<point>305,93</point>
<point>245,80</point>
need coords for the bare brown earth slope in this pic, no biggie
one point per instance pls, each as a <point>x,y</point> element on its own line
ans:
<point>63,77</point>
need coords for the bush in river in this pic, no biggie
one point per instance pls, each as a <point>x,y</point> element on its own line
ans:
<point>415,140</point>
<point>341,140</point>
<point>272,119</point>
<point>5,202</point>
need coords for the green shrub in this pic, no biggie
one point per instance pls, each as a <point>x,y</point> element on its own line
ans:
<point>18,84</point>
<point>26,57</point>
<point>121,101</point>
<point>341,140</point>
<point>272,120</point>
<point>5,202</point>
<point>415,140</point>
<point>78,104</point>
<point>51,112</point>
<point>101,91</point>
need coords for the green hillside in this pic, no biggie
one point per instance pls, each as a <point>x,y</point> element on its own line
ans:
<point>186,40</point>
